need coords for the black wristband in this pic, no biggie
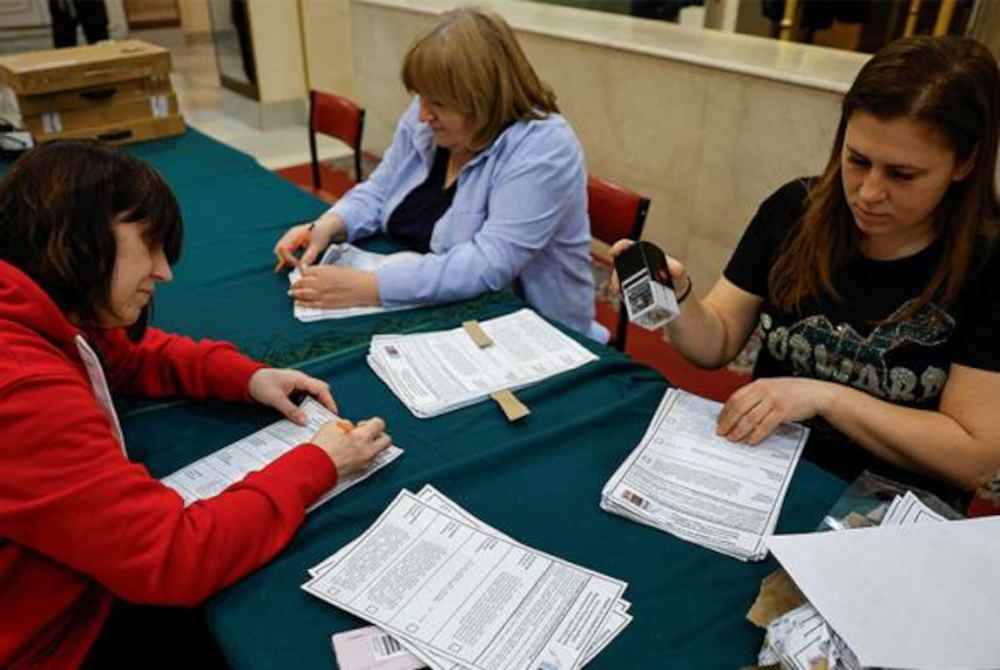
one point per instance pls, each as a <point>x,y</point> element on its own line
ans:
<point>681,298</point>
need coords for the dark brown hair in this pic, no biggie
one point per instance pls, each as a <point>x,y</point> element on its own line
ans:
<point>471,62</point>
<point>950,84</point>
<point>57,206</point>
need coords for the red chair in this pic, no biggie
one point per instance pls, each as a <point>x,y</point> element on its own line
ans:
<point>338,117</point>
<point>615,213</point>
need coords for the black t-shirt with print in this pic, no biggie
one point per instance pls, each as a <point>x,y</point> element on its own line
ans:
<point>903,362</point>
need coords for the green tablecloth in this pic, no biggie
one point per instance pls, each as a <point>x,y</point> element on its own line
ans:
<point>538,480</point>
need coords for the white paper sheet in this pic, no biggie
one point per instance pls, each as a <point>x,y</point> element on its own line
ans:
<point>618,619</point>
<point>216,472</point>
<point>925,596</point>
<point>686,480</point>
<point>468,597</point>
<point>438,372</point>
<point>350,256</point>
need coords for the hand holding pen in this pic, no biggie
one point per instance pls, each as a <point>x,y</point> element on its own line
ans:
<point>296,238</point>
<point>350,447</point>
<point>313,238</point>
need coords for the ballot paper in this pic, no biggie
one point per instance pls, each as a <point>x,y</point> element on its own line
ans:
<point>216,472</point>
<point>616,622</point>
<point>459,595</point>
<point>438,372</point>
<point>686,480</point>
<point>801,637</point>
<point>350,256</point>
<point>918,596</point>
<point>908,509</point>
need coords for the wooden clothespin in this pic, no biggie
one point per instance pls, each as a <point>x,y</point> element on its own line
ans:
<point>477,334</point>
<point>512,408</point>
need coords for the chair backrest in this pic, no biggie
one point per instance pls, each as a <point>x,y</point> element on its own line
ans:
<point>338,117</point>
<point>615,213</point>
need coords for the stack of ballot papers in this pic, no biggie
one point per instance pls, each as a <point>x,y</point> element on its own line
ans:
<point>434,373</point>
<point>350,256</point>
<point>458,594</point>
<point>689,482</point>
<point>802,639</point>
<point>216,472</point>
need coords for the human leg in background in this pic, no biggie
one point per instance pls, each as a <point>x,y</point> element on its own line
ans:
<point>63,23</point>
<point>93,17</point>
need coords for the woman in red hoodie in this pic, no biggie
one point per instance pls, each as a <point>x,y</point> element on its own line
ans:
<point>85,235</point>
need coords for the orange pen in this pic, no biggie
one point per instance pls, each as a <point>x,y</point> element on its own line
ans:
<point>298,242</point>
<point>345,426</point>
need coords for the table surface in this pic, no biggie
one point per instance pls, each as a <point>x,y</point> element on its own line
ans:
<point>538,480</point>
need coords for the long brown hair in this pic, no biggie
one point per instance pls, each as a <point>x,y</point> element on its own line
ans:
<point>57,207</point>
<point>471,62</point>
<point>951,85</point>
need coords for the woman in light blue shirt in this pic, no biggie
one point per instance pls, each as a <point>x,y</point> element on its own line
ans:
<point>483,175</point>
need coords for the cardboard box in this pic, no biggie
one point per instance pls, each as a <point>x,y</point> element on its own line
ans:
<point>126,132</point>
<point>53,70</point>
<point>103,95</point>
<point>53,124</point>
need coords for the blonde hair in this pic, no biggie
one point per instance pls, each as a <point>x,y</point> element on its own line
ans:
<point>471,63</point>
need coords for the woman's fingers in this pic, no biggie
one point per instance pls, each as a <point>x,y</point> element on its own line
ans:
<point>619,246</point>
<point>748,423</point>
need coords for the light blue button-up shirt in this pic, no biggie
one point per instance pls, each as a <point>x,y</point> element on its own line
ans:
<point>519,212</point>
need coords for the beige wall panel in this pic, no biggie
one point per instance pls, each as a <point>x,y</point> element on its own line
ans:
<point>327,28</point>
<point>277,50</point>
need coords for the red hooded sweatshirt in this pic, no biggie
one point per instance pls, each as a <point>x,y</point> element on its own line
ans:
<point>79,523</point>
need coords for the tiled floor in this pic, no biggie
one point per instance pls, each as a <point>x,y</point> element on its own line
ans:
<point>199,94</point>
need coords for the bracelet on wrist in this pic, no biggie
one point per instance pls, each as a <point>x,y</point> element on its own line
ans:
<point>683,296</point>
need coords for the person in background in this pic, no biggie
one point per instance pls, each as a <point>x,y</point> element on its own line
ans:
<point>86,233</point>
<point>876,286</point>
<point>483,176</point>
<point>91,15</point>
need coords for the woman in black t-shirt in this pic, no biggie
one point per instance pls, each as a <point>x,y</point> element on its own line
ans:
<point>876,285</point>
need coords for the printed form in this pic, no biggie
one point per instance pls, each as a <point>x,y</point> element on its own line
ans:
<point>460,596</point>
<point>211,475</point>
<point>686,480</point>
<point>434,373</point>
<point>350,256</point>
<point>618,618</point>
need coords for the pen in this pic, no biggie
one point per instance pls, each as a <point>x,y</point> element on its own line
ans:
<point>303,238</point>
<point>344,425</point>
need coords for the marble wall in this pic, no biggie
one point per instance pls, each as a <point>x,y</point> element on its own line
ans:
<point>326,26</point>
<point>705,143</point>
<point>277,49</point>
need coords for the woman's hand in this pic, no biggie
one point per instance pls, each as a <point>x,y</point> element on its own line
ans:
<point>676,269</point>
<point>271,387</point>
<point>331,287</point>
<point>313,237</point>
<point>754,411</point>
<point>352,450</point>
